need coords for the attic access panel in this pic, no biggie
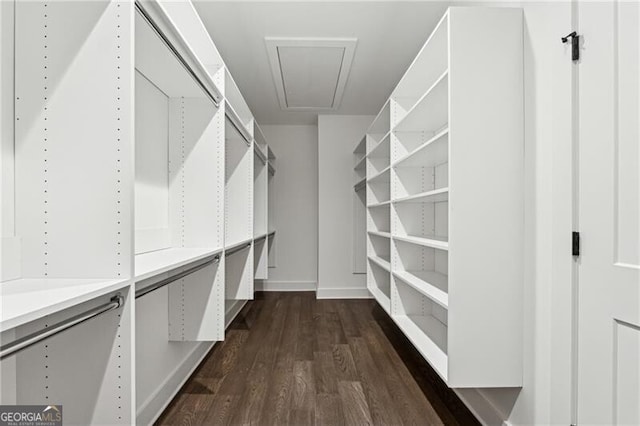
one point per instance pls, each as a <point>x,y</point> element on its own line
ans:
<point>310,73</point>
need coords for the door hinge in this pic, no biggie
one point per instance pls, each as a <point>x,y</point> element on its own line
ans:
<point>575,243</point>
<point>575,45</point>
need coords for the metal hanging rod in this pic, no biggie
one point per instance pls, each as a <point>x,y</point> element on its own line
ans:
<point>235,121</point>
<point>260,154</point>
<point>214,95</point>
<point>148,289</point>
<point>237,249</point>
<point>40,335</point>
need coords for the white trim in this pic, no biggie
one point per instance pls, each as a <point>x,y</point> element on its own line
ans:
<point>272,44</point>
<point>343,293</point>
<point>268,285</point>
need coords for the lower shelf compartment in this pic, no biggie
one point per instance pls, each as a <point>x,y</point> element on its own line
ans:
<point>425,324</point>
<point>414,328</point>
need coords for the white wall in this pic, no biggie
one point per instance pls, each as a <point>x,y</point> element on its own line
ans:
<point>545,396</point>
<point>337,138</point>
<point>295,188</point>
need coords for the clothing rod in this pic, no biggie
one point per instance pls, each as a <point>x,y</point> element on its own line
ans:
<point>40,335</point>
<point>237,249</point>
<point>215,97</point>
<point>261,156</point>
<point>239,127</point>
<point>169,280</point>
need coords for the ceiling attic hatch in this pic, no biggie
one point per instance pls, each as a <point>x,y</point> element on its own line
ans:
<point>310,74</point>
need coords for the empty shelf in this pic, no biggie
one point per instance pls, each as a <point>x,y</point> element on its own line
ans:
<point>384,143</point>
<point>431,284</point>
<point>234,245</point>
<point>380,262</point>
<point>28,299</point>
<point>431,111</point>
<point>439,243</point>
<point>380,176</point>
<point>380,204</point>
<point>380,234</point>
<point>157,262</point>
<point>431,153</point>
<point>381,298</point>
<point>414,326</point>
<point>435,196</point>
<point>360,163</point>
<point>361,184</point>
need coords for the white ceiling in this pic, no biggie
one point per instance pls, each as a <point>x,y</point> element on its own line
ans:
<point>389,36</point>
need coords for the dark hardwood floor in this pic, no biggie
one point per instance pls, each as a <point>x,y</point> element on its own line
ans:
<point>289,359</point>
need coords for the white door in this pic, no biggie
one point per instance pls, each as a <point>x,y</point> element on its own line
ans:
<point>609,213</point>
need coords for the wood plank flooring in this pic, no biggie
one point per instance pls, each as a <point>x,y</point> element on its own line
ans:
<point>289,359</point>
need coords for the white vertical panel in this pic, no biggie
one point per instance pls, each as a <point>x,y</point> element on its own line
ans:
<point>74,138</point>
<point>152,170</point>
<point>196,308</point>
<point>486,217</point>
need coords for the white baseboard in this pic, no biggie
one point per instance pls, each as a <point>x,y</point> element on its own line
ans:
<point>268,285</point>
<point>343,293</point>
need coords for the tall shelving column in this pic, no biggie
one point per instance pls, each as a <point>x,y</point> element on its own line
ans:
<point>239,190</point>
<point>179,199</point>
<point>67,142</point>
<point>456,203</point>
<point>378,197</point>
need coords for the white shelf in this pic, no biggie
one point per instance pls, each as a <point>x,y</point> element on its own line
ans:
<point>384,142</point>
<point>360,163</point>
<point>381,124</point>
<point>361,184</point>
<point>431,112</point>
<point>381,262</point>
<point>380,234</point>
<point>28,299</point>
<point>361,148</point>
<point>233,245</point>
<point>431,284</point>
<point>431,153</point>
<point>380,176</point>
<point>413,327</point>
<point>381,298</point>
<point>435,196</point>
<point>439,243</point>
<point>154,263</point>
<point>381,204</point>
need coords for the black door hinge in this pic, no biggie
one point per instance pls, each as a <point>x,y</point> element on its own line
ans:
<point>575,244</point>
<point>575,45</point>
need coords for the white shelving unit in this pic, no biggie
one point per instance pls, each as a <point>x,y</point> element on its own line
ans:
<point>359,241</point>
<point>445,205</point>
<point>260,205</point>
<point>120,123</point>
<point>239,196</point>
<point>271,245</point>
<point>66,209</point>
